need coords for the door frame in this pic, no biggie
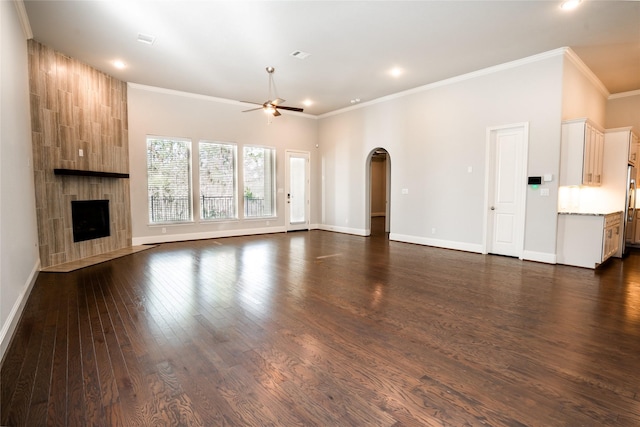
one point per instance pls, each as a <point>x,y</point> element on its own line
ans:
<point>489,189</point>
<point>387,219</point>
<point>287,213</point>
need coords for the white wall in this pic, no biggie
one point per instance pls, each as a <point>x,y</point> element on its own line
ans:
<point>582,93</point>
<point>18,231</point>
<point>624,110</point>
<point>433,135</point>
<point>162,112</point>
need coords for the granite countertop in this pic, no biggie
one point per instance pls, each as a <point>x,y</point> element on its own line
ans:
<point>589,213</point>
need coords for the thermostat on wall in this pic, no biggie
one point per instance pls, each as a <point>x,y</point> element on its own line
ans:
<point>535,180</point>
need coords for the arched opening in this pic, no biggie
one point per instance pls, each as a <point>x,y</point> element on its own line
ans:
<point>378,192</point>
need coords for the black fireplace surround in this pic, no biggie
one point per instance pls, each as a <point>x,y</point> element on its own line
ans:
<point>90,219</point>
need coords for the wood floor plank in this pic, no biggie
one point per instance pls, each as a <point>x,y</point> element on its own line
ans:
<point>109,396</point>
<point>319,328</point>
<point>91,390</point>
<point>76,414</point>
<point>58,392</point>
<point>42,380</point>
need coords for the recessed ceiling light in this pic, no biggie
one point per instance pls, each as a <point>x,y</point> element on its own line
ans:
<point>146,38</point>
<point>570,4</point>
<point>307,103</point>
<point>396,72</point>
<point>119,64</point>
<point>355,100</point>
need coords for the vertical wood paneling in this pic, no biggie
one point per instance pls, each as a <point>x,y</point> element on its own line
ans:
<point>73,107</point>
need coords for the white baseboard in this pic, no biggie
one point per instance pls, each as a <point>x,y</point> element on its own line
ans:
<point>9,327</point>
<point>539,257</point>
<point>446,244</point>
<point>345,230</point>
<point>166,238</point>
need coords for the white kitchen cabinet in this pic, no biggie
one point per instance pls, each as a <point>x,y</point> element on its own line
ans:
<point>587,240</point>
<point>635,230</point>
<point>581,153</point>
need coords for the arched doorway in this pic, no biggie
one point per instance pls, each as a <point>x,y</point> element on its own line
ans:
<point>378,192</point>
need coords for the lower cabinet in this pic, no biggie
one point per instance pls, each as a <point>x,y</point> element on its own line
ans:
<point>635,230</point>
<point>587,240</point>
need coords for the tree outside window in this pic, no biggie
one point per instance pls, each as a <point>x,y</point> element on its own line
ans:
<point>259,182</point>
<point>217,180</point>
<point>169,180</point>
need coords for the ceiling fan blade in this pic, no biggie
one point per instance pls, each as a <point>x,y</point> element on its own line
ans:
<point>282,107</point>
<point>276,113</point>
<point>251,102</point>
<point>276,101</point>
<point>253,109</point>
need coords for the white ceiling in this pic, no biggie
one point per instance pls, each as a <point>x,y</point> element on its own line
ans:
<point>221,48</point>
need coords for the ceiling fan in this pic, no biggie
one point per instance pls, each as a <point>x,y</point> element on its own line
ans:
<point>271,106</point>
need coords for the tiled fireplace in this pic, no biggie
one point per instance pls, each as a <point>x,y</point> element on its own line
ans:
<point>80,152</point>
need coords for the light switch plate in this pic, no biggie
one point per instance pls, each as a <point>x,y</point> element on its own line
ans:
<point>544,191</point>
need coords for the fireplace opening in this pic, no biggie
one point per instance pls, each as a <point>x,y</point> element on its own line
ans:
<point>90,219</point>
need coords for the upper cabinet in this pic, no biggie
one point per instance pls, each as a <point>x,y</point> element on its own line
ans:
<point>581,155</point>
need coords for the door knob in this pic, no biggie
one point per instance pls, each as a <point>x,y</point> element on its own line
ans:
<point>493,208</point>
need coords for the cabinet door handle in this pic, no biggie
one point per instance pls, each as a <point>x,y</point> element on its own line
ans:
<point>598,179</point>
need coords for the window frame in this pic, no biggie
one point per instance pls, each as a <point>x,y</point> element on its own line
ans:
<point>274,178</point>
<point>189,146</point>
<point>235,181</point>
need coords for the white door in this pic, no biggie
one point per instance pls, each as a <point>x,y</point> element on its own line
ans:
<point>507,152</point>
<point>297,191</point>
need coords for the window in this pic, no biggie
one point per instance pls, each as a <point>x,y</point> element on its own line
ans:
<point>169,180</point>
<point>217,180</point>
<point>259,182</point>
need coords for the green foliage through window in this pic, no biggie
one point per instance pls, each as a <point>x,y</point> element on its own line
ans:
<point>217,180</point>
<point>169,180</point>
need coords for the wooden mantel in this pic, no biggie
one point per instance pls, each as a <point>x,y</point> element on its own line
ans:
<point>77,172</point>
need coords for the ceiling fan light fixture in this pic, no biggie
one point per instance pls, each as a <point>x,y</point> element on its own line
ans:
<point>272,105</point>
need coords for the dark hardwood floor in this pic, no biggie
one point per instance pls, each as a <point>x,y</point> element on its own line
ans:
<point>327,329</point>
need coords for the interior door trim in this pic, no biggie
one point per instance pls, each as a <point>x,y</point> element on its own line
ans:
<point>488,191</point>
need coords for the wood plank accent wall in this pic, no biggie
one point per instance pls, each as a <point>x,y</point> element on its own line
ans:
<point>73,107</point>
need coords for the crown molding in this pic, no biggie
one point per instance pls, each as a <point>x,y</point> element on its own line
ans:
<point>24,19</point>
<point>586,71</point>
<point>208,98</point>
<point>463,77</point>
<point>624,94</point>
